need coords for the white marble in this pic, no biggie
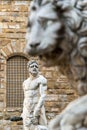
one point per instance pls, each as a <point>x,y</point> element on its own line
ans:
<point>35,88</point>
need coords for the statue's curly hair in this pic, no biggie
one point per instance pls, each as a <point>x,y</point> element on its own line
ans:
<point>31,62</point>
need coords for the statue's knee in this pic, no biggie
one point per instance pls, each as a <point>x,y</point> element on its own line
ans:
<point>68,119</point>
<point>65,120</point>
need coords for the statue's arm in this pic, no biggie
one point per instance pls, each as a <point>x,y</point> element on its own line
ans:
<point>43,91</point>
<point>23,85</point>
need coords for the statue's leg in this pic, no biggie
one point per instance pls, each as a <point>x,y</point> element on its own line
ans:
<point>67,122</point>
<point>72,117</point>
<point>54,124</point>
<point>75,114</point>
<point>26,124</point>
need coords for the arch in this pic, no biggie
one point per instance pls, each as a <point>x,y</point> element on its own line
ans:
<point>11,49</point>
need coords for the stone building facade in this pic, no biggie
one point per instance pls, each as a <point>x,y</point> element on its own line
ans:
<point>13,21</point>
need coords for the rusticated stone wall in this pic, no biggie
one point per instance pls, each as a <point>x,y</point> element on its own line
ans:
<point>13,21</point>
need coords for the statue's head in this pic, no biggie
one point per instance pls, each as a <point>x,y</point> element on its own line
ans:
<point>49,33</point>
<point>33,67</point>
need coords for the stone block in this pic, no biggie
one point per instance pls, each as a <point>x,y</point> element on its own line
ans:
<point>1,98</point>
<point>21,8</point>
<point>5,8</point>
<point>2,13</point>
<point>14,35</point>
<point>2,91</point>
<point>52,97</point>
<point>6,51</point>
<point>49,74</point>
<point>2,74</point>
<point>3,25</point>
<point>7,127</point>
<point>4,41</point>
<point>21,2</point>
<point>3,84</point>
<point>23,46</point>
<point>1,104</point>
<point>13,26</point>
<point>2,67</point>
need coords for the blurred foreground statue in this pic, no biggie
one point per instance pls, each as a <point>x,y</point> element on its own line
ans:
<point>34,87</point>
<point>57,33</point>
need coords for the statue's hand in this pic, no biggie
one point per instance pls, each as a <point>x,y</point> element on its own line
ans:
<point>35,120</point>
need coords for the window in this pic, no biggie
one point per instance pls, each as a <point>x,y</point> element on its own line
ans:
<point>16,74</point>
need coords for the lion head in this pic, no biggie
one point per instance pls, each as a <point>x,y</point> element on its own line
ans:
<point>55,31</point>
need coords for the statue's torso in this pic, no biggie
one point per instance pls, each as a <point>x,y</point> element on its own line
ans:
<point>31,94</point>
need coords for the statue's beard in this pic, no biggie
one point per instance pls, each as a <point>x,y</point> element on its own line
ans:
<point>34,73</point>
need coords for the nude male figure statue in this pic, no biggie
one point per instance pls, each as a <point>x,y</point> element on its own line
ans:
<point>34,87</point>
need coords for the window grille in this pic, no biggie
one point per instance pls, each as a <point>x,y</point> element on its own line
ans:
<point>16,74</point>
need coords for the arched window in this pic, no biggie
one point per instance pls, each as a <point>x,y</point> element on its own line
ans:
<point>16,74</point>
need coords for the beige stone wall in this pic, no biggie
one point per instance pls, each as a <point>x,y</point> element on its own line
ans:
<point>13,21</point>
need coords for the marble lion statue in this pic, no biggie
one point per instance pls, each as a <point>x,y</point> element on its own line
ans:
<point>57,33</point>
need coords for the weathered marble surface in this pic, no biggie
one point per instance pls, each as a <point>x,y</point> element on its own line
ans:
<point>34,97</point>
<point>57,32</point>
